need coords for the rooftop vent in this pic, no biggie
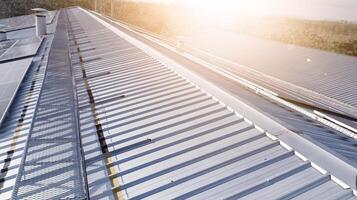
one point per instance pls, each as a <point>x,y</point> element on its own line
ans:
<point>40,21</point>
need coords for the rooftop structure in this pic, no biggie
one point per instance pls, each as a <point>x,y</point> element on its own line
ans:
<point>99,111</point>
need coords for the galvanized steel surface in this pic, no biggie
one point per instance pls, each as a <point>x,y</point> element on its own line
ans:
<point>4,45</point>
<point>14,63</point>
<point>17,124</point>
<point>328,73</point>
<point>11,76</point>
<point>146,132</point>
<point>22,22</point>
<point>51,167</point>
<point>21,49</point>
<point>319,134</point>
<point>168,139</point>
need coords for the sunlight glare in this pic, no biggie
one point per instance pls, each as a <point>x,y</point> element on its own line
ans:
<point>224,6</point>
<point>222,11</point>
<point>214,5</point>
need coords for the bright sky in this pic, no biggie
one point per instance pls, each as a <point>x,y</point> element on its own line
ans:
<point>312,9</point>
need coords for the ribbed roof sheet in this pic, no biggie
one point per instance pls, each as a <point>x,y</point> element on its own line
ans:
<point>327,73</point>
<point>147,132</point>
<point>168,139</point>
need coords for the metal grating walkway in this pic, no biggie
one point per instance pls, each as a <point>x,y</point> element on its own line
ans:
<point>52,167</point>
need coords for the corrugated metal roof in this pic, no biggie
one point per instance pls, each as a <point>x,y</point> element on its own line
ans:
<point>326,73</point>
<point>302,125</point>
<point>147,130</point>
<point>305,126</point>
<point>165,138</point>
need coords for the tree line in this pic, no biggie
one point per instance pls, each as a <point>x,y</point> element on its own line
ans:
<point>171,20</point>
<point>12,8</point>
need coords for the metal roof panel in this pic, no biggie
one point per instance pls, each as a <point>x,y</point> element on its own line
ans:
<point>168,139</point>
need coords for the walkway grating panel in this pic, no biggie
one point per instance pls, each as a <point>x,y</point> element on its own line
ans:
<point>52,167</point>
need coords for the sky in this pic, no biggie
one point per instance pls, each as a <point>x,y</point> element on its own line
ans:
<point>308,9</point>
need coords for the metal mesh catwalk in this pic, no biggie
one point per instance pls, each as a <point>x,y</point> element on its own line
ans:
<point>52,166</point>
<point>163,138</point>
